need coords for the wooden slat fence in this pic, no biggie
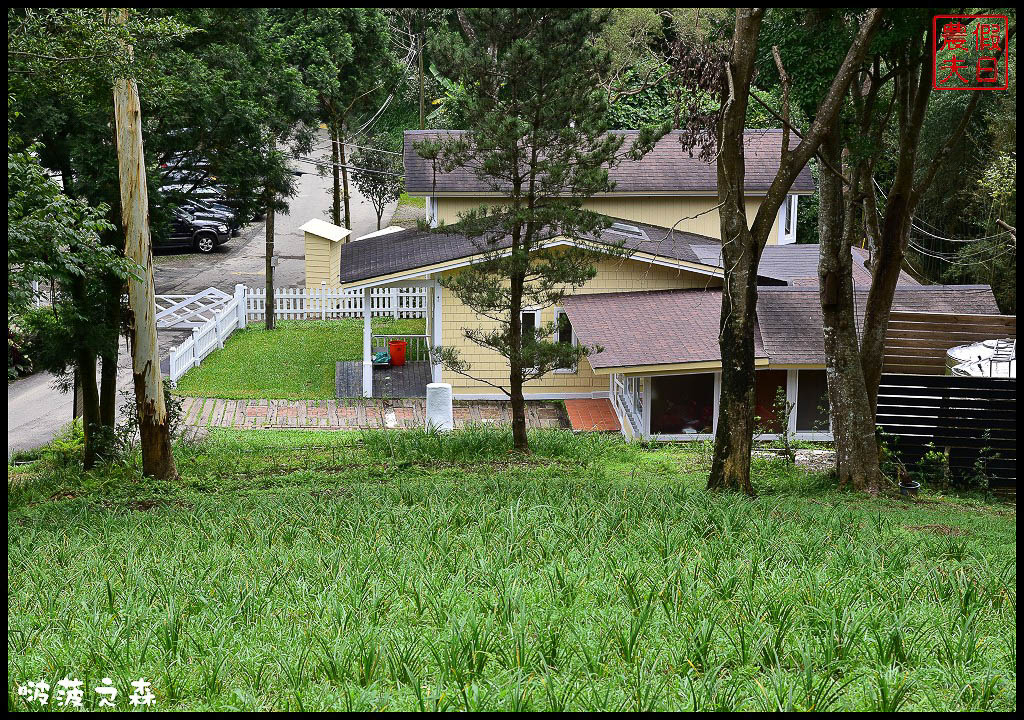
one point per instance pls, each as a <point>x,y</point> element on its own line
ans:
<point>917,342</point>
<point>964,416</point>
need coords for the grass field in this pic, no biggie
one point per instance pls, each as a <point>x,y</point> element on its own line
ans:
<point>296,361</point>
<point>300,570</point>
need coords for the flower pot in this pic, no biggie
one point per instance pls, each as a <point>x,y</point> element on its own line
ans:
<point>909,488</point>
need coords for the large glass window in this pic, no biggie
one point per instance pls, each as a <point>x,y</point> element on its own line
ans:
<point>767,385</point>
<point>811,401</point>
<point>683,404</point>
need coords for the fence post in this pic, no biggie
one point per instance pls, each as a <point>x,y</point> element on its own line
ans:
<point>394,302</point>
<point>323,299</point>
<point>195,347</point>
<point>240,310</point>
<point>218,321</point>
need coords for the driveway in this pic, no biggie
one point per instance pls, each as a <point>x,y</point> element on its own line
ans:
<point>36,411</point>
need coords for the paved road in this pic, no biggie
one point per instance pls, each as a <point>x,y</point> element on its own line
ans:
<point>36,411</point>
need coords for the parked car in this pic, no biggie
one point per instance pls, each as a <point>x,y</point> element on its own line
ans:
<point>202,234</point>
<point>213,211</point>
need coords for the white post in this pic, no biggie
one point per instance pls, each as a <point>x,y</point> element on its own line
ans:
<point>217,325</point>
<point>435,332</point>
<point>195,347</point>
<point>323,299</point>
<point>394,302</point>
<point>367,350</point>
<point>240,305</point>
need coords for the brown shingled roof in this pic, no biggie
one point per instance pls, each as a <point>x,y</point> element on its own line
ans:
<point>665,169</point>
<point>660,327</point>
<point>407,250</point>
<point>791,323</point>
<point>667,327</point>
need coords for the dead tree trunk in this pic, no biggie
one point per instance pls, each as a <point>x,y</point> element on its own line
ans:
<point>154,425</point>
<point>853,422</point>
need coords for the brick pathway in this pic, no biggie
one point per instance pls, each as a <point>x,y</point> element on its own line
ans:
<point>355,413</point>
<point>592,415</point>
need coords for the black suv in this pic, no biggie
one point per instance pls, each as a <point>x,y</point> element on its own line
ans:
<point>207,210</point>
<point>203,234</point>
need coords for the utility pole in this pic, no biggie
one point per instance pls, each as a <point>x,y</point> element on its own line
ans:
<point>154,424</point>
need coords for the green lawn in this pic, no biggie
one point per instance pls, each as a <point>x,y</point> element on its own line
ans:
<point>295,361</point>
<point>399,570</point>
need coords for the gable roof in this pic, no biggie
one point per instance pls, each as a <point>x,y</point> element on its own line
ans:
<point>658,327</point>
<point>666,169</point>
<point>384,254</point>
<point>791,322</point>
<point>410,250</point>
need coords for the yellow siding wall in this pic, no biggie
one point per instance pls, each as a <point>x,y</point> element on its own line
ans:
<point>613,275</point>
<point>323,261</point>
<point>654,210</point>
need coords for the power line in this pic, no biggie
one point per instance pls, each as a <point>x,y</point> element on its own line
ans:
<point>322,163</point>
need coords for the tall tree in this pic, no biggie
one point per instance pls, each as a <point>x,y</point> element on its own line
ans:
<point>378,174</point>
<point>346,57</point>
<point>56,241</point>
<point>60,66</point>
<point>879,145</point>
<point>536,136</point>
<point>742,244</point>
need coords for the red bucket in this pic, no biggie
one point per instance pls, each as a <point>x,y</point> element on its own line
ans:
<point>396,348</point>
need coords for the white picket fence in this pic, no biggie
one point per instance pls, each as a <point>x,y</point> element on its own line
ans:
<point>250,304</point>
<point>326,303</point>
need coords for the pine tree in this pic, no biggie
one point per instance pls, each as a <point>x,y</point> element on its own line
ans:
<point>537,137</point>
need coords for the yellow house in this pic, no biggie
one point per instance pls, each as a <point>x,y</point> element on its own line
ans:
<point>666,188</point>
<point>655,313</point>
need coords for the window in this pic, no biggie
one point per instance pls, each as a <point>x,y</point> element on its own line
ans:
<point>767,384</point>
<point>787,221</point>
<point>564,334</point>
<point>812,401</point>
<point>530,320</point>
<point>683,404</point>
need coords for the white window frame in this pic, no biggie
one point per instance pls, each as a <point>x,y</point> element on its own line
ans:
<point>575,341</point>
<point>787,220</point>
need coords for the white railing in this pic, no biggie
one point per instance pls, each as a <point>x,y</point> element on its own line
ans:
<point>209,336</point>
<point>417,347</point>
<point>324,303</point>
<point>628,399</point>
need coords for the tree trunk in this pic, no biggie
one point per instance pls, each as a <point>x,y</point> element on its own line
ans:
<point>154,425</point>
<point>270,304</point>
<point>336,175</point>
<point>86,364</point>
<point>344,179</point>
<point>520,442</point>
<point>853,421</point>
<point>730,466</point>
<point>419,52</point>
<point>108,374</point>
